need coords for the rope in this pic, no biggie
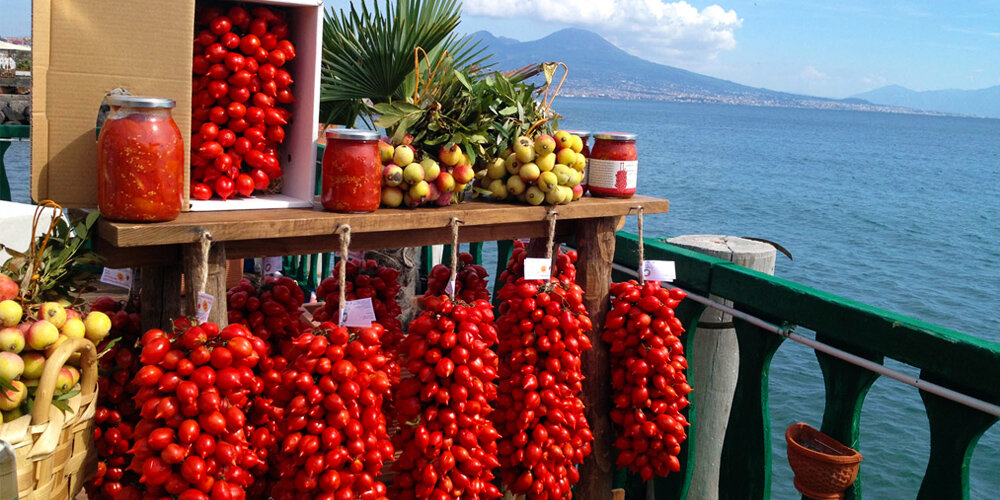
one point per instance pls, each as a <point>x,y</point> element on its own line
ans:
<point>345,242</point>
<point>454,251</point>
<point>201,267</point>
<point>642,246</point>
<point>551,216</point>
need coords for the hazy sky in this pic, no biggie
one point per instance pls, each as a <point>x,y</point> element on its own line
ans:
<point>831,48</point>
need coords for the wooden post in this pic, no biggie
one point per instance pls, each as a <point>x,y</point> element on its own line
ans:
<point>595,241</point>
<point>715,359</point>
<point>161,296</point>
<point>215,285</point>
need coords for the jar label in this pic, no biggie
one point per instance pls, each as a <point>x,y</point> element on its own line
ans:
<point>613,174</point>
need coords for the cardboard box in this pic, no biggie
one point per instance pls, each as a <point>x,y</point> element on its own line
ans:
<point>84,48</point>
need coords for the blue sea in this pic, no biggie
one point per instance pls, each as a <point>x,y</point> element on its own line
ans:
<point>898,211</point>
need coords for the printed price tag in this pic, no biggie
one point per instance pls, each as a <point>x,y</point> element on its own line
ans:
<point>659,270</point>
<point>203,306</point>
<point>117,277</point>
<point>537,269</point>
<point>271,265</point>
<point>358,313</point>
<point>524,240</point>
<point>356,255</point>
<point>450,288</point>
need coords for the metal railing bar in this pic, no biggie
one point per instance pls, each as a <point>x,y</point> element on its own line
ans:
<point>919,383</point>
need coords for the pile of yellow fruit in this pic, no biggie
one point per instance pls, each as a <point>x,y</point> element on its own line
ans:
<point>27,340</point>
<point>548,169</point>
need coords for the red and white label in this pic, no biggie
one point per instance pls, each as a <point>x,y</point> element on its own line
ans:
<point>613,174</point>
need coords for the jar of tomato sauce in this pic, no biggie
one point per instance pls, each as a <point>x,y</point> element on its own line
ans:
<point>613,165</point>
<point>352,171</point>
<point>140,161</point>
<point>585,137</point>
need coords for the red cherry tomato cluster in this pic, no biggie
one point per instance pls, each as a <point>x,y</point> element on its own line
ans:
<point>543,332</point>
<point>116,413</point>
<point>470,280</point>
<point>333,437</point>
<point>565,271</point>
<point>448,444</point>
<point>240,98</point>
<point>367,279</point>
<point>273,310</point>
<point>647,376</point>
<point>192,439</point>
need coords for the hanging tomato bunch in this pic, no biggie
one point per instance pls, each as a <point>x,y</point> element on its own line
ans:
<point>448,444</point>
<point>116,414</point>
<point>564,271</point>
<point>470,280</point>
<point>194,389</point>
<point>333,438</point>
<point>543,332</point>
<point>367,279</point>
<point>240,98</point>
<point>273,311</point>
<point>647,376</point>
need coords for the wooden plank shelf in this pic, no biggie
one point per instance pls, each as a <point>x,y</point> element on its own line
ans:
<point>302,222</point>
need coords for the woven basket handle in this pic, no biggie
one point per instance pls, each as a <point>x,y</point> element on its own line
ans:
<point>47,384</point>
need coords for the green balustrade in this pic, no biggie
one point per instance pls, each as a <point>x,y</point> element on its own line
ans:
<point>9,133</point>
<point>946,357</point>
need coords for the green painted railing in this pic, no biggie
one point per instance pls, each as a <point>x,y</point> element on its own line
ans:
<point>7,134</point>
<point>955,360</point>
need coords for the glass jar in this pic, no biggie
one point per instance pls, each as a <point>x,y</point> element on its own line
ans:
<point>140,161</point>
<point>352,171</point>
<point>613,165</point>
<point>585,137</point>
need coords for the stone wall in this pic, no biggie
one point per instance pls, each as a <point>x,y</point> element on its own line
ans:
<point>15,109</point>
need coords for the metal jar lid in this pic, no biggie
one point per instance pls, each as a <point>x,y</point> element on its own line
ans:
<point>615,136</point>
<point>582,133</point>
<point>352,134</point>
<point>135,101</point>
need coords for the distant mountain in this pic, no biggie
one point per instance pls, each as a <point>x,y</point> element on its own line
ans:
<point>981,102</point>
<point>600,69</point>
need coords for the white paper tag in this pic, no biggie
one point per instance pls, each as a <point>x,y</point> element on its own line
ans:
<point>271,265</point>
<point>356,255</point>
<point>204,306</point>
<point>658,270</point>
<point>358,313</point>
<point>537,269</point>
<point>450,287</point>
<point>524,240</point>
<point>117,277</point>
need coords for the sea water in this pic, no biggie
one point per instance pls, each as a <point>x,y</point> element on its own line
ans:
<point>897,211</point>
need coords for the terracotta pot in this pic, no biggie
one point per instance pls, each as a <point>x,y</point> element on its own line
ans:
<point>823,466</point>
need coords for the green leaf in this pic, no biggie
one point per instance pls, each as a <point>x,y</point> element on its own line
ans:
<point>68,395</point>
<point>62,405</point>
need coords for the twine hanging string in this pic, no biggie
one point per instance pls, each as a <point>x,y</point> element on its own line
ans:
<point>454,252</point>
<point>551,216</point>
<point>345,243</point>
<point>642,246</point>
<point>201,265</point>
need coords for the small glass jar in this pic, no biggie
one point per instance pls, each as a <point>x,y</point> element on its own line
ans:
<point>613,165</point>
<point>585,137</point>
<point>352,171</point>
<point>140,161</point>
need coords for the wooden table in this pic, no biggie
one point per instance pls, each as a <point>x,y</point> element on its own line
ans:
<point>163,250</point>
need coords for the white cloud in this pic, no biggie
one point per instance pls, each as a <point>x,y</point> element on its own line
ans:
<point>667,32</point>
<point>812,74</point>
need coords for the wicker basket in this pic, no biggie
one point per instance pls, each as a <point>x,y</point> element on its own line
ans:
<point>55,451</point>
<point>823,466</point>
